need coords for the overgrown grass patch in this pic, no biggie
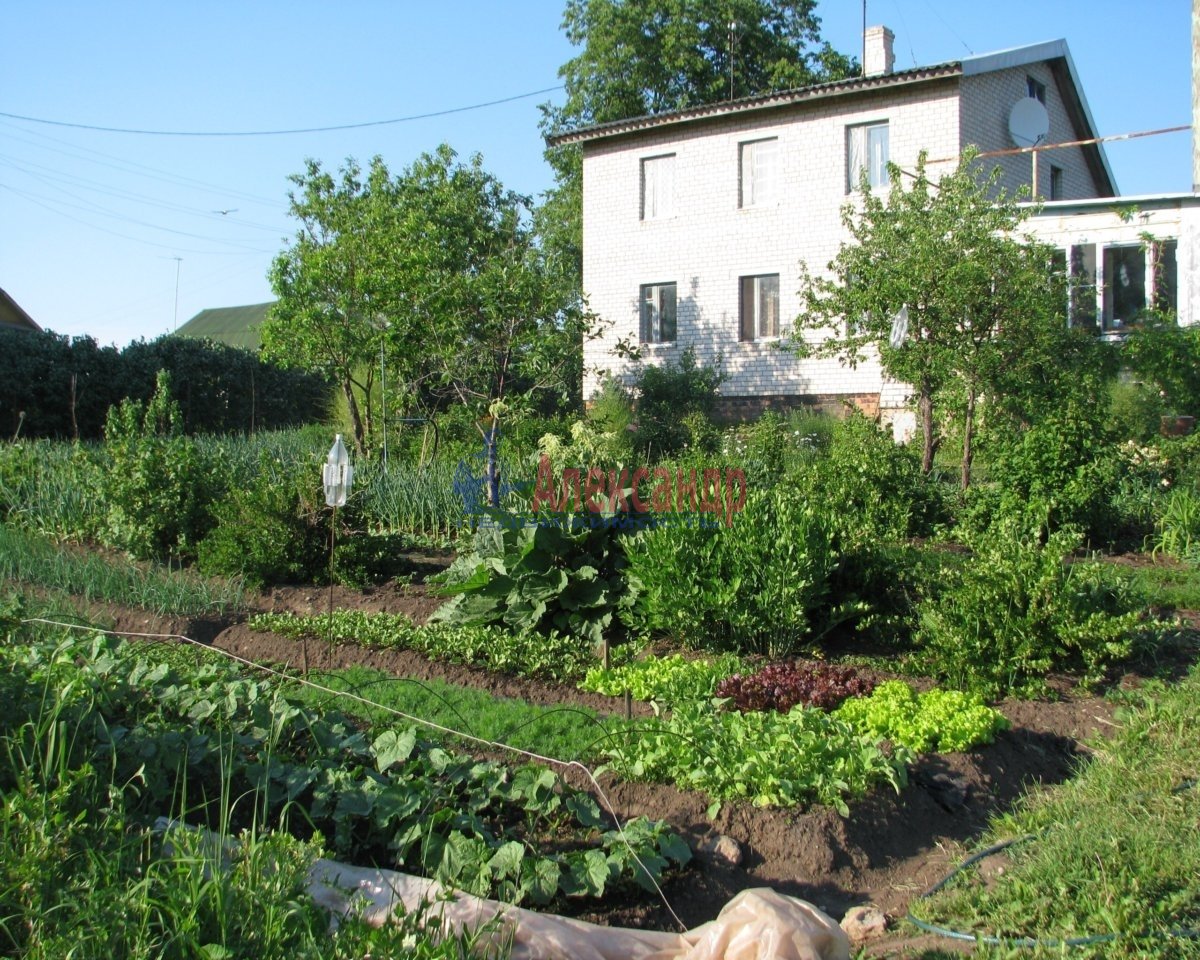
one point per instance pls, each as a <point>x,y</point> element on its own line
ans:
<point>1168,584</point>
<point>564,733</point>
<point>1110,854</point>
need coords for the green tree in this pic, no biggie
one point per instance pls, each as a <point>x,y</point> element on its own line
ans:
<point>436,267</point>
<point>657,56</point>
<point>980,301</point>
<point>329,283</point>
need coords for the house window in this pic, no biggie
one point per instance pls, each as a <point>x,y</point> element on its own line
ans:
<point>1056,182</point>
<point>1124,284</point>
<point>658,313</point>
<point>867,149</point>
<point>1166,277</point>
<point>1035,89</point>
<point>658,187</point>
<point>760,307</point>
<point>1082,286</point>
<point>758,173</point>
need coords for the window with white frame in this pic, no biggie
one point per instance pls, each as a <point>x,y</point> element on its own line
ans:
<point>867,149</point>
<point>758,173</point>
<point>759,307</point>
<point>1124,284</point>
<point>1081,286</point>
<point>658,187</point>
<point>657,313</point>
<point>1166,275</point>
<point>1036,89</point>
<point>1111,286</point>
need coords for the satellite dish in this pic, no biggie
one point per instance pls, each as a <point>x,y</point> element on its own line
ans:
<point>1028,122</point>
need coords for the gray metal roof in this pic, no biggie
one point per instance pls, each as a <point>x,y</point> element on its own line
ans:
<point>1055,52</point>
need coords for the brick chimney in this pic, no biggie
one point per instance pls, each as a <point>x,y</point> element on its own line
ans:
<point>878,58</point>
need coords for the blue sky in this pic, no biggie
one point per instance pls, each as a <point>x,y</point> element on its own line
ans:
<point>91,222</point>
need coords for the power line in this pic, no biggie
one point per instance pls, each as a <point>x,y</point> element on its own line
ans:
<point>277,133</point>
<point>129,166</point>
<point>53,177</point>
<point>45,204</point>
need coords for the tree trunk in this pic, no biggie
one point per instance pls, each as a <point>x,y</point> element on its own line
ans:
<point>925,406</point>
<point>968,452</point>
<point>355,417</point>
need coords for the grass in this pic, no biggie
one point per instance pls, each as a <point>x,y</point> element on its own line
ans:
<point>1111,853</point>
<point>1173,585</point>
<point>573,733</point>
<point>29,558</point>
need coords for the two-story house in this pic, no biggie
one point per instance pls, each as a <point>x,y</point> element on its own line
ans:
<point>696,223</point>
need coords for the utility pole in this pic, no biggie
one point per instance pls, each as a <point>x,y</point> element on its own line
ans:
<point>733,52</point>
<point>1195,95</point>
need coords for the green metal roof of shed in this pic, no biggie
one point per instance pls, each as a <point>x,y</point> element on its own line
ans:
<point>236,326</point>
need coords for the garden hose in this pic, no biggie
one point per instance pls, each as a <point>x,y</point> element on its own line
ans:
<point>1024,941</point>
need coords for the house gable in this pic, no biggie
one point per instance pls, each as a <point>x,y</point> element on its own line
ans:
<point>12,316</point>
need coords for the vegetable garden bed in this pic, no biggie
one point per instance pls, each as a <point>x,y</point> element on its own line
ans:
<point>889,848</point>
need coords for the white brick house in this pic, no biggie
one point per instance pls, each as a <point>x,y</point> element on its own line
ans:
<point>696,223</point>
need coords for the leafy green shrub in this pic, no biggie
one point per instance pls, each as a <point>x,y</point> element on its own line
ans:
<point>781,686</point>
<point>541,578</point>
<point>1136,410</point>
<point>1166,357</point>
<point>768,449</point>
<point>937,720</point>
<point>871,487</point>
<point>1060,472</point>
<point>666,396</point>
<point>669,679</point>
<point>771,759</point>
<point>159,488</point>
<point>759,585</point>
<point>611,409</point>
<point>1018,610</point>
<point>267,533</point>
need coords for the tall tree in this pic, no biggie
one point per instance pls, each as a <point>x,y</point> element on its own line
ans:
<point>331,292</point>
<point>653,56</point>
<point>438,268</point>
<point>981,302</point>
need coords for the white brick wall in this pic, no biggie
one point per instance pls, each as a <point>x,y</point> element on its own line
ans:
<point>709,243</point>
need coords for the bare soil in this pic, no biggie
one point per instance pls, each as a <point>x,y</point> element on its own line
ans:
<point>890,849</point>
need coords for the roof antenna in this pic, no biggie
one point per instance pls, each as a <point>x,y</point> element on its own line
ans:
<point>864,39</point>
<point>732,53</point>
